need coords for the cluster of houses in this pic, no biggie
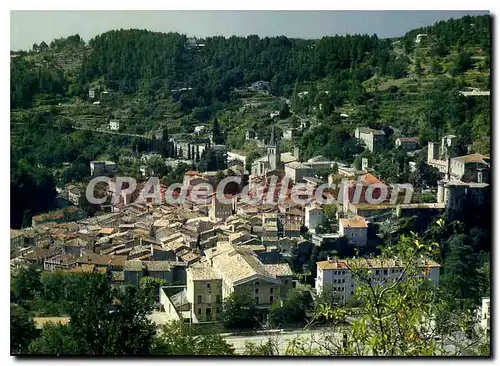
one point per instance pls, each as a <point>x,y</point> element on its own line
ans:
<point>206,252</point>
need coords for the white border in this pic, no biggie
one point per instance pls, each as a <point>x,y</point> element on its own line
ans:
<point>186,5</point>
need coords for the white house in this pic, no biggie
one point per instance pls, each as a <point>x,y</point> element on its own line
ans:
<point>114,125</point>
<point>337,274</point>
<point>313,217</point>
<point>420,38</point>
<point>485,315</point>
<point>102,167</point>
<point>288,134</point>
<point>199,129</point>
<point>91,93</point>
<point>355,229</point>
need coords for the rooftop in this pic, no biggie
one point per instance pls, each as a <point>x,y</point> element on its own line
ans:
<point>355,222</point>
<point>281,269</point>
<point>473,158</point>
<point>368,263</point>
<point>202,273</point>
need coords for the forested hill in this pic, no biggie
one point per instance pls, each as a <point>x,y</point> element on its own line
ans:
<point>133,61</point>
<point>471,31</point>
<point>130,60</point>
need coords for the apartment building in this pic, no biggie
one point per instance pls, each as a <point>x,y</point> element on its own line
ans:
<point>337,274</point>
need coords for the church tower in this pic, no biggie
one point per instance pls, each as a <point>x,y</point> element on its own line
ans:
<point>273,152</point>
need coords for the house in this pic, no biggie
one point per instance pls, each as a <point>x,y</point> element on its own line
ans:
<point>421,38</point>
<point>337,275</point>
<point>239,269</point>
<point>484,315</point>
<point>91,93</point>
<point>74,194</point>
<point>470,168</point>
<point>199,129</point>
<point>250,134</point>
<point>133,271</point>
<point>313,217</point>
<point>204,292</point>
<point>259,86</point>
<point>274,114</point>
<point>296,171</point>
<point>98,168</point>
<point>407,143</point>
<point>114,125</point>
<point>59,262</point>
<point>355,229</point>
<point>371,138</point>
<point>288,134</point>
<point>158,269</point>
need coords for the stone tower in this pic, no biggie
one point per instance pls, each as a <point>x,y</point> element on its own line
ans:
<point>273,152</point>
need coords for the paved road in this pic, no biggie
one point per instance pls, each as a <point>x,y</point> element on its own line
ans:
<point>282,337</point>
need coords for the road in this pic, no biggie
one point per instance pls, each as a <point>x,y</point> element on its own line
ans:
<point>282,337</point>
<point>111,132</point>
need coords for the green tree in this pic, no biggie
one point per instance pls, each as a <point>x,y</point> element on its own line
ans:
<point>398,317</point>
<point>177,338</point>
<point>22,330</point>
<point>150,286</point>
<point>27,284</point>
<point>55,339</point>
<point>290,310</point>
<point>240,311</point>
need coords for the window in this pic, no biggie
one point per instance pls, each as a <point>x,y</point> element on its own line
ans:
<point>217,298</point>
<point>217,310</point>
<point>377,272</point>
<point>271,299</point>
<point>208,312</point>
<point>199,299</point>
<point>385,271</point>
<point>257,300</point>
<point>352,292</point>
<point>343,281</point>
<point>256,290</point>
<point>271,290</point>
<point>199,311</point>
<point>286,282</point>
<point>208,286</point>
<point>257,283</point>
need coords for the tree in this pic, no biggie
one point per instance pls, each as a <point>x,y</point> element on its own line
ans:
<point>460,277</point>
<point>239,311</point>
<point>398,317</point>
<point>177,338</point>
<point>55,339</point>
<point>22,330</point>
<point>290,310</point>
<point>151,286</point>
<point>217,135</point>
<point>27,284</point>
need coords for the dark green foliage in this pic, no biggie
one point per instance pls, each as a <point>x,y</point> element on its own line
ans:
<point>240,311</point>
<point>22,330</point>
<point>180,339</point>
<point>27,284</point>
<point>290,310</point>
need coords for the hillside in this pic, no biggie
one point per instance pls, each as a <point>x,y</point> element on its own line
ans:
<point>322,88</point>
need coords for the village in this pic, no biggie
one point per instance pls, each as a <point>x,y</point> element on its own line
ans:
<point>204,252</point>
